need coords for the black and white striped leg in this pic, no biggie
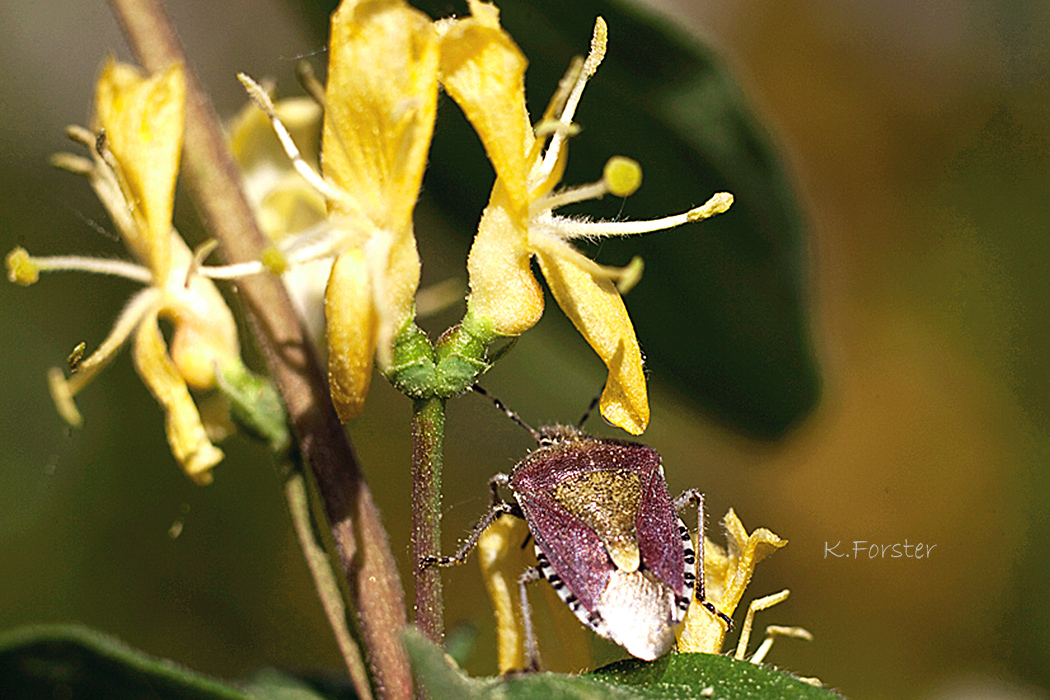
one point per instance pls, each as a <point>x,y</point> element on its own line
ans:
<point>696,559</point>
<point>532,652</point>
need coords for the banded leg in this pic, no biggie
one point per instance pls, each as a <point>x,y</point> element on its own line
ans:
<point>497,507</point>
<point>532,652</point>
<point>697,558</point>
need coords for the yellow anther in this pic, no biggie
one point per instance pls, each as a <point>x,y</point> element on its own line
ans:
<point>630,275</point>
<point>622,175</point>
<point>21,268</point>
<point>718,204</point>
<point>274,260</point>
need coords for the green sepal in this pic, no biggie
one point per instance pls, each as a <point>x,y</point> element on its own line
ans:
<point>412,362</point>
<point>255,405</point>
<point>445,369</point>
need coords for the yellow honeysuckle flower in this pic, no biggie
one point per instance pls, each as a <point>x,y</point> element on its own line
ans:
<point>380,104</point>
<point>727,571</point>
<point>483,71</point>
<point>135,151</point>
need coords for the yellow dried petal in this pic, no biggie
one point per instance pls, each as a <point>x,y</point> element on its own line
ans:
<point>186,434</point>
<point>352,326</point>
<point>143,122</point>
<point>596,309</point>
<point>483,70</point>
<point>727,573</point>
<point>502,561</point>
<point>380,103</point>
<point>503,289</point>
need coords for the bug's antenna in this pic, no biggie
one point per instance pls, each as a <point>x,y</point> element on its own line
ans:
<point>590,409</point>
<point>510,414</point>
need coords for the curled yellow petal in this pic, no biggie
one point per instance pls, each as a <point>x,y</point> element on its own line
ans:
<point>483,70</point>
<point>380,104</point>
<point>205,332</point>
<point>352,327</point>
<point>503,289</point>
<point>143,122</point>
<point>186,434</point>
<point>727,572</point>
<point>596,309</point>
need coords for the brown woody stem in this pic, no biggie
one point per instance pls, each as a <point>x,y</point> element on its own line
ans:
<point>361,546</point>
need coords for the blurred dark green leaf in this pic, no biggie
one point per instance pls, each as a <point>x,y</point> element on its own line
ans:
<point>69,661</point>
<point>720,310</point>
<point>673,676</point>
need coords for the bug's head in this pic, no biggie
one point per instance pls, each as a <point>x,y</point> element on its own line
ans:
<point>553,434</point>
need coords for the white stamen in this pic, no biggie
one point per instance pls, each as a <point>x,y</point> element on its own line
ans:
<point>555,246</point>
<point>756,605</point>
<point>774,631</point>
<point>599,40</point>
<point>573,228</point>
<point>102,266</point>
<point>326,188</point>
<point>137,307</point>
<point>232,271</point>
<point>571,195</point>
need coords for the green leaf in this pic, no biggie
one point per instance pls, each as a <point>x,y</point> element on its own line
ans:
<point>76,662</point>
<point>671,677</point>
<point>691,675</point>
<point>720,311</point>
<point>271,684</point>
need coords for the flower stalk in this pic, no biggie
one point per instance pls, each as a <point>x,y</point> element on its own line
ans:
<point>428,437</point>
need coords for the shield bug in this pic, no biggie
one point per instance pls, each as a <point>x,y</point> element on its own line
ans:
<point>607,536</point>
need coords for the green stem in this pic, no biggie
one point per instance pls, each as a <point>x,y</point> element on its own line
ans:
<point>428,436</point>
<point>330,593</point>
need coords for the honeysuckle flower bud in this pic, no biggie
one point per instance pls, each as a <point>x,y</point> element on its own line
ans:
<point>727,571</point>
<point>135,149</point>
<point>380,104</point>
<point>483,71</point>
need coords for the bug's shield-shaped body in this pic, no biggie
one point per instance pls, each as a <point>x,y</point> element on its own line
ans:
<point>607,536</point>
